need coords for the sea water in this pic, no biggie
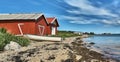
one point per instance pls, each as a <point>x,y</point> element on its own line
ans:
<point>110,44</point>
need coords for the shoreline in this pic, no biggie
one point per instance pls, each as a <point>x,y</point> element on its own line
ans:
<point>108,52</point>
<point>72,49</point>
<point>90,53</point>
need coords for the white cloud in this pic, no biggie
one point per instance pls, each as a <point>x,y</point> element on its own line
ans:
<point>82,20</point>
<point>118,21</point>
<point>85,7</point>
<point>71,18</point>
<point>111,22</point>
<point>107,21</point>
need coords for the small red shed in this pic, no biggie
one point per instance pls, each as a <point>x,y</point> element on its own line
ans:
<point>20,24</point>
<point>53,24</point>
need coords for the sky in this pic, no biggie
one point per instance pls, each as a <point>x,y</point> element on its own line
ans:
<point>97,16</point>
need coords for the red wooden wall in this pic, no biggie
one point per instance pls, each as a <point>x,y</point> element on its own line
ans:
<point>12,26</point>
<point>41,21</point>
<point>49,30</point>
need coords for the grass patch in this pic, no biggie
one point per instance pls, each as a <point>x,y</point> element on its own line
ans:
<point>65,34</point>
<point>21,41</point>
<point>5,38</point>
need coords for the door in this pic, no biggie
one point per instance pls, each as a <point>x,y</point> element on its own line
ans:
<point>53,30</point>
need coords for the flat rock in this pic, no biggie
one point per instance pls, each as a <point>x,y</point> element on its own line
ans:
<point>78,57</point>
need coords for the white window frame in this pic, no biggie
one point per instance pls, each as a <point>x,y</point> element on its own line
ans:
<point>20,29</point>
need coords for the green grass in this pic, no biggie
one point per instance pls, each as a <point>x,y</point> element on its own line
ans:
<point>65,34</point>
<point>5,38</point>
<point>3,30</point>
<point>21,41</point>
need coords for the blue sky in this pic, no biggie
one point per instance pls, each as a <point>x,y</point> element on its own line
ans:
<point>97,16</point>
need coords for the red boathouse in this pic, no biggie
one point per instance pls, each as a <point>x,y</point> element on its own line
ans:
<point>20,24</point>
<point>53,24</point>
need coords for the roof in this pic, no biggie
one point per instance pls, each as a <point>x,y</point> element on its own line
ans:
<point>51,20</point>
<point>20,16</point>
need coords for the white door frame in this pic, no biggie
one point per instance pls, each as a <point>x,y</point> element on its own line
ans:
<point>20,29</point>
<point>41,32</point>
<point>53,31</point>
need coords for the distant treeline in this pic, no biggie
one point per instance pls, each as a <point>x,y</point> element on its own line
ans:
<point>88,33</point>
<point>107,34</point>
<point>66,31</point>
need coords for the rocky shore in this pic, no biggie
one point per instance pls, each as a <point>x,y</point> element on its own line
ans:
<point>70,50</point>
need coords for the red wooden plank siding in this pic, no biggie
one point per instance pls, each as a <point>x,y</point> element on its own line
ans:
<point>41,21</point>
<point>12,26</point>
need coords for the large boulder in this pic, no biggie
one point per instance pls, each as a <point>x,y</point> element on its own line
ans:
<point>13,46</point>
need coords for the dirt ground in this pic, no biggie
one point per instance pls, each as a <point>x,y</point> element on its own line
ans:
<point>70,50</point>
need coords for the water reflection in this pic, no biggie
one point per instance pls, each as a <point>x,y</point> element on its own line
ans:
<point>109,44</point>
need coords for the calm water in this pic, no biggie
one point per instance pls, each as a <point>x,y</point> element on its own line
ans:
<point>109,44</point>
